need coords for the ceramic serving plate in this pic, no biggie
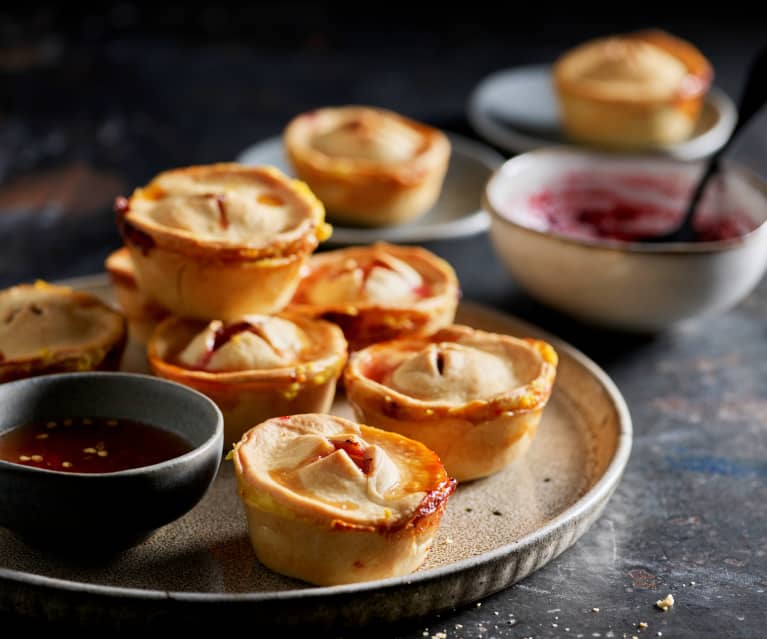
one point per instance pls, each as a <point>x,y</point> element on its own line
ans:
<point>495,531</point>
<point>456,213</point>
<point>516,109</point>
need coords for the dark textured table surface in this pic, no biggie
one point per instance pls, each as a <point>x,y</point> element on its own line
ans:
<point>91,106</point>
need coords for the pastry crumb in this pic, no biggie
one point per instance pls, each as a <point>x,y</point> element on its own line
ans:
<point>642,625</point>
<point>666,603</point>
<point>595,610</point>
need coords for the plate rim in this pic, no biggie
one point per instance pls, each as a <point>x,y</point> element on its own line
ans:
<point>511,140</point>
<point>578,517</point>
<point>470,224</point>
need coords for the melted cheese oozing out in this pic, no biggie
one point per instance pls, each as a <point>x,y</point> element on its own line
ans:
<point>455,373</point>
<point>625,67</point>
<point>262,343</point>
<point>371,136</point>
<point>384,280</point>
<point>38,321</point>
<point>230,209</point>
<point>313,466</point>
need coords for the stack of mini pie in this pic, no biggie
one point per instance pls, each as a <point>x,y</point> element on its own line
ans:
<point>218,275</point>
<point>223,251</point>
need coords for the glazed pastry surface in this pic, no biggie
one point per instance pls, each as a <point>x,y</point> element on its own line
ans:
<point>221,241</point>
<point>626,68</point>
<point>254,367</point>
<point>372,136</point>
<point>379,292</point>
<point>632,91</point>
<point>340,468</point>
<point>475,398</point>
<point>369,166</point>
<point>47,328</point>
<point>331,501</point>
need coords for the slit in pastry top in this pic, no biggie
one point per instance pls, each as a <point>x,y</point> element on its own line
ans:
<point>256,342</point>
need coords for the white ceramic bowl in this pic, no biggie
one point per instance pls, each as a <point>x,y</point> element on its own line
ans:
<point>627,285</point>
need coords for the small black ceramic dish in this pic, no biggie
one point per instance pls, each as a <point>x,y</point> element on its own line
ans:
<point>98,512</point>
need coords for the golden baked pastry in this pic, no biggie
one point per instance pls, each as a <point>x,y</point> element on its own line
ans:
<point>53,329</point>
<point>473,397</point>
<point>632,91</point>
<point>330,501</point>
<point>369,166</point>
<point>141,312</point>
<point>221,241</point>
<point>379,292</point>
<point>253,368</point>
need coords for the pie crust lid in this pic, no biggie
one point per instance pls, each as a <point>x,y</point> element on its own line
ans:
<point>226,211</point>
<point>339,473</point>
<point>648,66</point>
<point>42,324</point>
<point>309,350</point>
<point>437,281</point>
<point>370,370</point>
<point>354,142</point>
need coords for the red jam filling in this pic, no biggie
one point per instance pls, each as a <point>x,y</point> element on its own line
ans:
<point>436,498</point>
<point>629,208</point>
<point>220,337</point>
<point>130,233</point>
<point>421,291</point>
<point>223,218</point>
<point>357,453</point>
<point>379,368</point>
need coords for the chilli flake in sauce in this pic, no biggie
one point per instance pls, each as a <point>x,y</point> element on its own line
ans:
<point>90,445</point>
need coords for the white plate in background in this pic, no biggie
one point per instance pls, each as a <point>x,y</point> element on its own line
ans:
<point>457,212</point>
<point>516,109</point>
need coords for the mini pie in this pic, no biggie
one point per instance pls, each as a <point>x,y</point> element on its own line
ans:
<point>632,91</point>
<point>330,501</point>
<point>379,292</point>
<point>221,241</point>
<point>473,397</point>
<point>52,329</point>
<point>253,368</point>
<point>369,166</point>
<point>141,312</point>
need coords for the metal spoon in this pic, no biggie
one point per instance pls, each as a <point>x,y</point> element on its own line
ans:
<point>752,99</point>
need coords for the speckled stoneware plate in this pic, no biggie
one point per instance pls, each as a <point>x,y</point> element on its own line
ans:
<point>495,531</point>
<point>516,109</point>
<point>456,213</point>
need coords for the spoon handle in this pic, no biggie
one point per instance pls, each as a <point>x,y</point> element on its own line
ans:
<point>752,100</point>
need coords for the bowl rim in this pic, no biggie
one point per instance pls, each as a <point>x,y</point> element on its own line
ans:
<point>618,246</point>
<point>196,452</point>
